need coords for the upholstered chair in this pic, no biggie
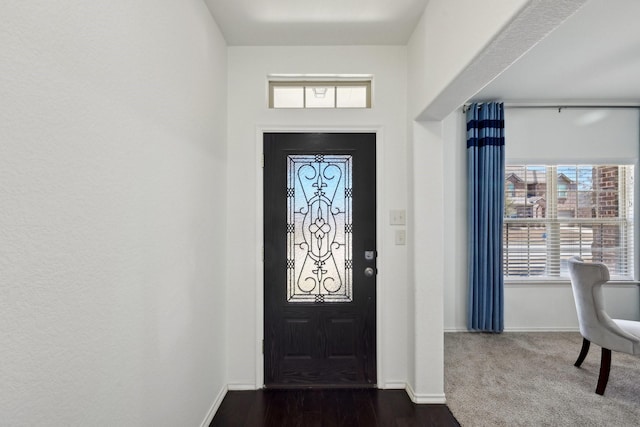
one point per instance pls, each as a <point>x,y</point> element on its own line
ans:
<point>595,324</point>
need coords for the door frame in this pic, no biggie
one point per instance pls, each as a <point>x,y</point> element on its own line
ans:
<point>380,209</point>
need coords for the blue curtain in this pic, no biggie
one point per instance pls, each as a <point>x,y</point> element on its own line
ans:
<point>485,166</point>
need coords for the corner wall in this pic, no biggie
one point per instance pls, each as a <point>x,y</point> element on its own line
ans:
<point>112,172</point>
<point>447,39</point>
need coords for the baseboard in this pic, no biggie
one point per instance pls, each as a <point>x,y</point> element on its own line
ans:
<point>543,329</point>
<point>398,385</point>
<point>241,387</point>
<point>423,398</point>
<point>214,407</point>
<point>456,329</point>
<point>522,329</point>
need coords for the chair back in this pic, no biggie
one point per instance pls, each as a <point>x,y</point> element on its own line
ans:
<point>595,324</point>
<point>586,281</point>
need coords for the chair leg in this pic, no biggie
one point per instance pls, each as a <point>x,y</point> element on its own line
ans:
<point>583,353</point>
<point>605,367</point>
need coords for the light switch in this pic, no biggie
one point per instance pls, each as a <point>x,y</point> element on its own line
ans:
<point>401,237</point>
<point>398,217</point>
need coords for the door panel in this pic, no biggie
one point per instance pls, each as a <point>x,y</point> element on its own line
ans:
<point>320,307</point>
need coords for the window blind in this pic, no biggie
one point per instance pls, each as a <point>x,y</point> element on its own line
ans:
<point>555,212</point>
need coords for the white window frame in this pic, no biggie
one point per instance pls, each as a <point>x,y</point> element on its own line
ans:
<point>554,272</point>
<point>303,84</point>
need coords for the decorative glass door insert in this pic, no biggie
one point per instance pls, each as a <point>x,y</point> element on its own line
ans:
<point>319,228</point>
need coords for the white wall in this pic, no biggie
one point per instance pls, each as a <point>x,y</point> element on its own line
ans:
<point>455,222</point>
<point>580,135</point>
<point>448,37</point>
<point>112,245</point>
<point>248,113</point>
<point>544,136</point>
<point>427,356</point>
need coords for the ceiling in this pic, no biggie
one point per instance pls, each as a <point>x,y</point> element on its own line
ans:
<point>316,22</point>
<point>593,58</point>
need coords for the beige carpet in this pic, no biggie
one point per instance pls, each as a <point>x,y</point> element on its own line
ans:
<point>528,379</point>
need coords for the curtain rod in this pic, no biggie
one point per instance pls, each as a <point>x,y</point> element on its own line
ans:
<point>465,107</point>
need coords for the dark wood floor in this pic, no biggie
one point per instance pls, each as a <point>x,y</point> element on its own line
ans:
<point>328,408</point>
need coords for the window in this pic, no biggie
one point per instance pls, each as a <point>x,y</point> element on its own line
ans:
<point>555,212</point>
<point>562,190</point>
<point>320,94</point>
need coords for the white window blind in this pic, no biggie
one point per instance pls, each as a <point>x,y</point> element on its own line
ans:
<point>555,212</point>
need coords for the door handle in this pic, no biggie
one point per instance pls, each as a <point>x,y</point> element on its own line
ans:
<point>369,272</point>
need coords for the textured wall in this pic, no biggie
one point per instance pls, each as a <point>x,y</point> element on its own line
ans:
<point>112,173</point>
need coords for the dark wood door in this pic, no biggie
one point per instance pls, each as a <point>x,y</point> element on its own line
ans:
<point>320,236</point>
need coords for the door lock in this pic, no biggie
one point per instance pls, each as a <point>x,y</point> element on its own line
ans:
<point>369,271</point>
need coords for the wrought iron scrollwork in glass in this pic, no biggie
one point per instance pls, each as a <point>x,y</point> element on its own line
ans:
<point>319,228</point>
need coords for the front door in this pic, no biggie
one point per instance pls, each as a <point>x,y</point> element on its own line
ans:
<point>319,259</point>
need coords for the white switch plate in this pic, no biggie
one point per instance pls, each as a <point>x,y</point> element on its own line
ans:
<point>398,217</point>
<point>401,237</point>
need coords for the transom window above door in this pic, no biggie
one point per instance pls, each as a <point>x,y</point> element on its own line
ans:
<point>320,93</point>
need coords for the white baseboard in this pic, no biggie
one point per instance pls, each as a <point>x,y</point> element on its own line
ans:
<point>241,387</point>
<point>524,329</point>
<point>425,398</point>
<point>214,408</point>
<point>543,329</point>
<point>396,385</point>
<point>456,329</point>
